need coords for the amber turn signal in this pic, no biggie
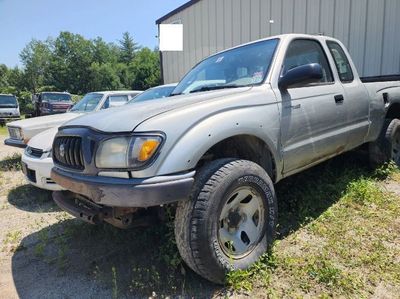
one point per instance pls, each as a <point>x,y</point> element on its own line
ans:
<point>147,150</point>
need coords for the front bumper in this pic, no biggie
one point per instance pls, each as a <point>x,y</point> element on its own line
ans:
<point>15,142</point>
<point>119,192</point>
<point>38,172</point>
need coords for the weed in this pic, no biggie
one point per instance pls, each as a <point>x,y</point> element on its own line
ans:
<point>11,163</point>
<point>114,283</point>
<point>364,191</point>
<point>11,241</point>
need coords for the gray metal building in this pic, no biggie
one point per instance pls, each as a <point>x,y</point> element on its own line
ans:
<point>369,28</point>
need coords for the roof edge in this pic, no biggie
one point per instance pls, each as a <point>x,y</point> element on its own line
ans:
<point>177,10</point>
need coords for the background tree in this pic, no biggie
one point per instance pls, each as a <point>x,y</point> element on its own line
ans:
<point>145,69</point>
<point>78,65</point>
<point>128,48</point>
<point>35,58</point>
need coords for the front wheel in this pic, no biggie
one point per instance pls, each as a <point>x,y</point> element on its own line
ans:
<point>229,220</point>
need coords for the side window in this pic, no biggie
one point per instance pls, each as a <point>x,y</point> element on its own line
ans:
<point>106,104</point>
<point>342,63</point>
<point>117,100</point>
<point>306,51</point>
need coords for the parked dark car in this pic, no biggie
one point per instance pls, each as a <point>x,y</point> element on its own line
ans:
<point>46,103</point>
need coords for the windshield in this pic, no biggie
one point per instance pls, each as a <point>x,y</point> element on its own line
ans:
<point>153,93</point>
<point>88,103</point>
<point>242,66</point>
<point>56,97</point>
<point>8,101</point>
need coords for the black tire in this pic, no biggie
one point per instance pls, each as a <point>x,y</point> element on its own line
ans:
<point>198,222</point>
<point>387,147</point>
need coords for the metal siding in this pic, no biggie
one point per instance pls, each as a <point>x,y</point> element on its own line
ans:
<point>198,30</point>
<point>276,16</point>
<point>255,21</point>
<point>369,28</point>
<point>374,39</point>
<point>236,22</point>
<point>186,43</point>
<point>356,44</point>
<point>265,16</point>
<point>313,16</point>
<point>245,21</point>
<point>342,20</point>
<point>300,16</point>
<point>327,17</point>
<point>228,28</point>
<point>212,29</point>
<point>219,29</point>
<point>287,16</point>
<point>391,39</point>
<point>205,34</point>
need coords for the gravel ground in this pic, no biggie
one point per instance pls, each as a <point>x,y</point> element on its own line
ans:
<point>7,150</point>
<point>45,253</point>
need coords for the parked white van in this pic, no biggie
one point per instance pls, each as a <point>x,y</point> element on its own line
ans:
<point>9,107</point>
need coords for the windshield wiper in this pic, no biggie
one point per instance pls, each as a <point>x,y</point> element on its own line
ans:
<point>214,87</point>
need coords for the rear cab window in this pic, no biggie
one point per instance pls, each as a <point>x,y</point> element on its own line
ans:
<point>342,63</point>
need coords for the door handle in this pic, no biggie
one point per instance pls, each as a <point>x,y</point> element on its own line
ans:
<point>339,99</point>
<point>293,106</point>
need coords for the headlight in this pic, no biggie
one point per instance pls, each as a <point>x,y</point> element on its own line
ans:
<point>127,152</point>
<point>15,133</point>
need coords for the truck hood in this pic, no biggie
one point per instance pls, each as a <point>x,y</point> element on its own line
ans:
<point>44,140</point>
<point>127,118</point>
<point>47,121</point>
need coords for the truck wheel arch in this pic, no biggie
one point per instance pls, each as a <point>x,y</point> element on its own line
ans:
<point>241,146</point>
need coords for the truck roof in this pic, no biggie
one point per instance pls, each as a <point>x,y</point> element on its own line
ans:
<point>282,37</point>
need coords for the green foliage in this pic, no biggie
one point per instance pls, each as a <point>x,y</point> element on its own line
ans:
<point>146,67</point>
<point>128,48</point>
<point>78,65</point>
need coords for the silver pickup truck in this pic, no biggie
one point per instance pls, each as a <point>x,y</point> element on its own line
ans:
<point>238,122</point>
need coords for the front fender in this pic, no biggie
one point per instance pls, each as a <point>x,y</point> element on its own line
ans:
<point>259,121</point>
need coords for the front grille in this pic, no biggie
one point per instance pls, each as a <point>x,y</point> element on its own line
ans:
<point>34,152</point>
<point>67,152</point>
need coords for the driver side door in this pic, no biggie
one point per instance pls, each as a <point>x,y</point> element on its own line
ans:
<point>312,114</point>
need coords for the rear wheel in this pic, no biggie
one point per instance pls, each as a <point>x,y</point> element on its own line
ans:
<point>230,219</point>
<point>387,147</point>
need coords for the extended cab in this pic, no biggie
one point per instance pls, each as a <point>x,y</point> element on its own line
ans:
<point>240,121</point>
<point>21,131</point>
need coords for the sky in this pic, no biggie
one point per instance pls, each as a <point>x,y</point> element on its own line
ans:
<point>23,20</point>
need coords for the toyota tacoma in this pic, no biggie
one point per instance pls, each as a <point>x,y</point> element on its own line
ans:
<point>237,123</point>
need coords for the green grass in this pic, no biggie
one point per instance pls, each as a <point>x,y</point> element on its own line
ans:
<point>340,237</point>
<point>3,131</point>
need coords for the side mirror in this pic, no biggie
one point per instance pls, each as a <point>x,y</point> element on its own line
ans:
<point>301,74</point>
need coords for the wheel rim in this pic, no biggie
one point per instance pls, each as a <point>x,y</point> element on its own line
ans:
<point>396,148</point>
<point>241,222</point>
